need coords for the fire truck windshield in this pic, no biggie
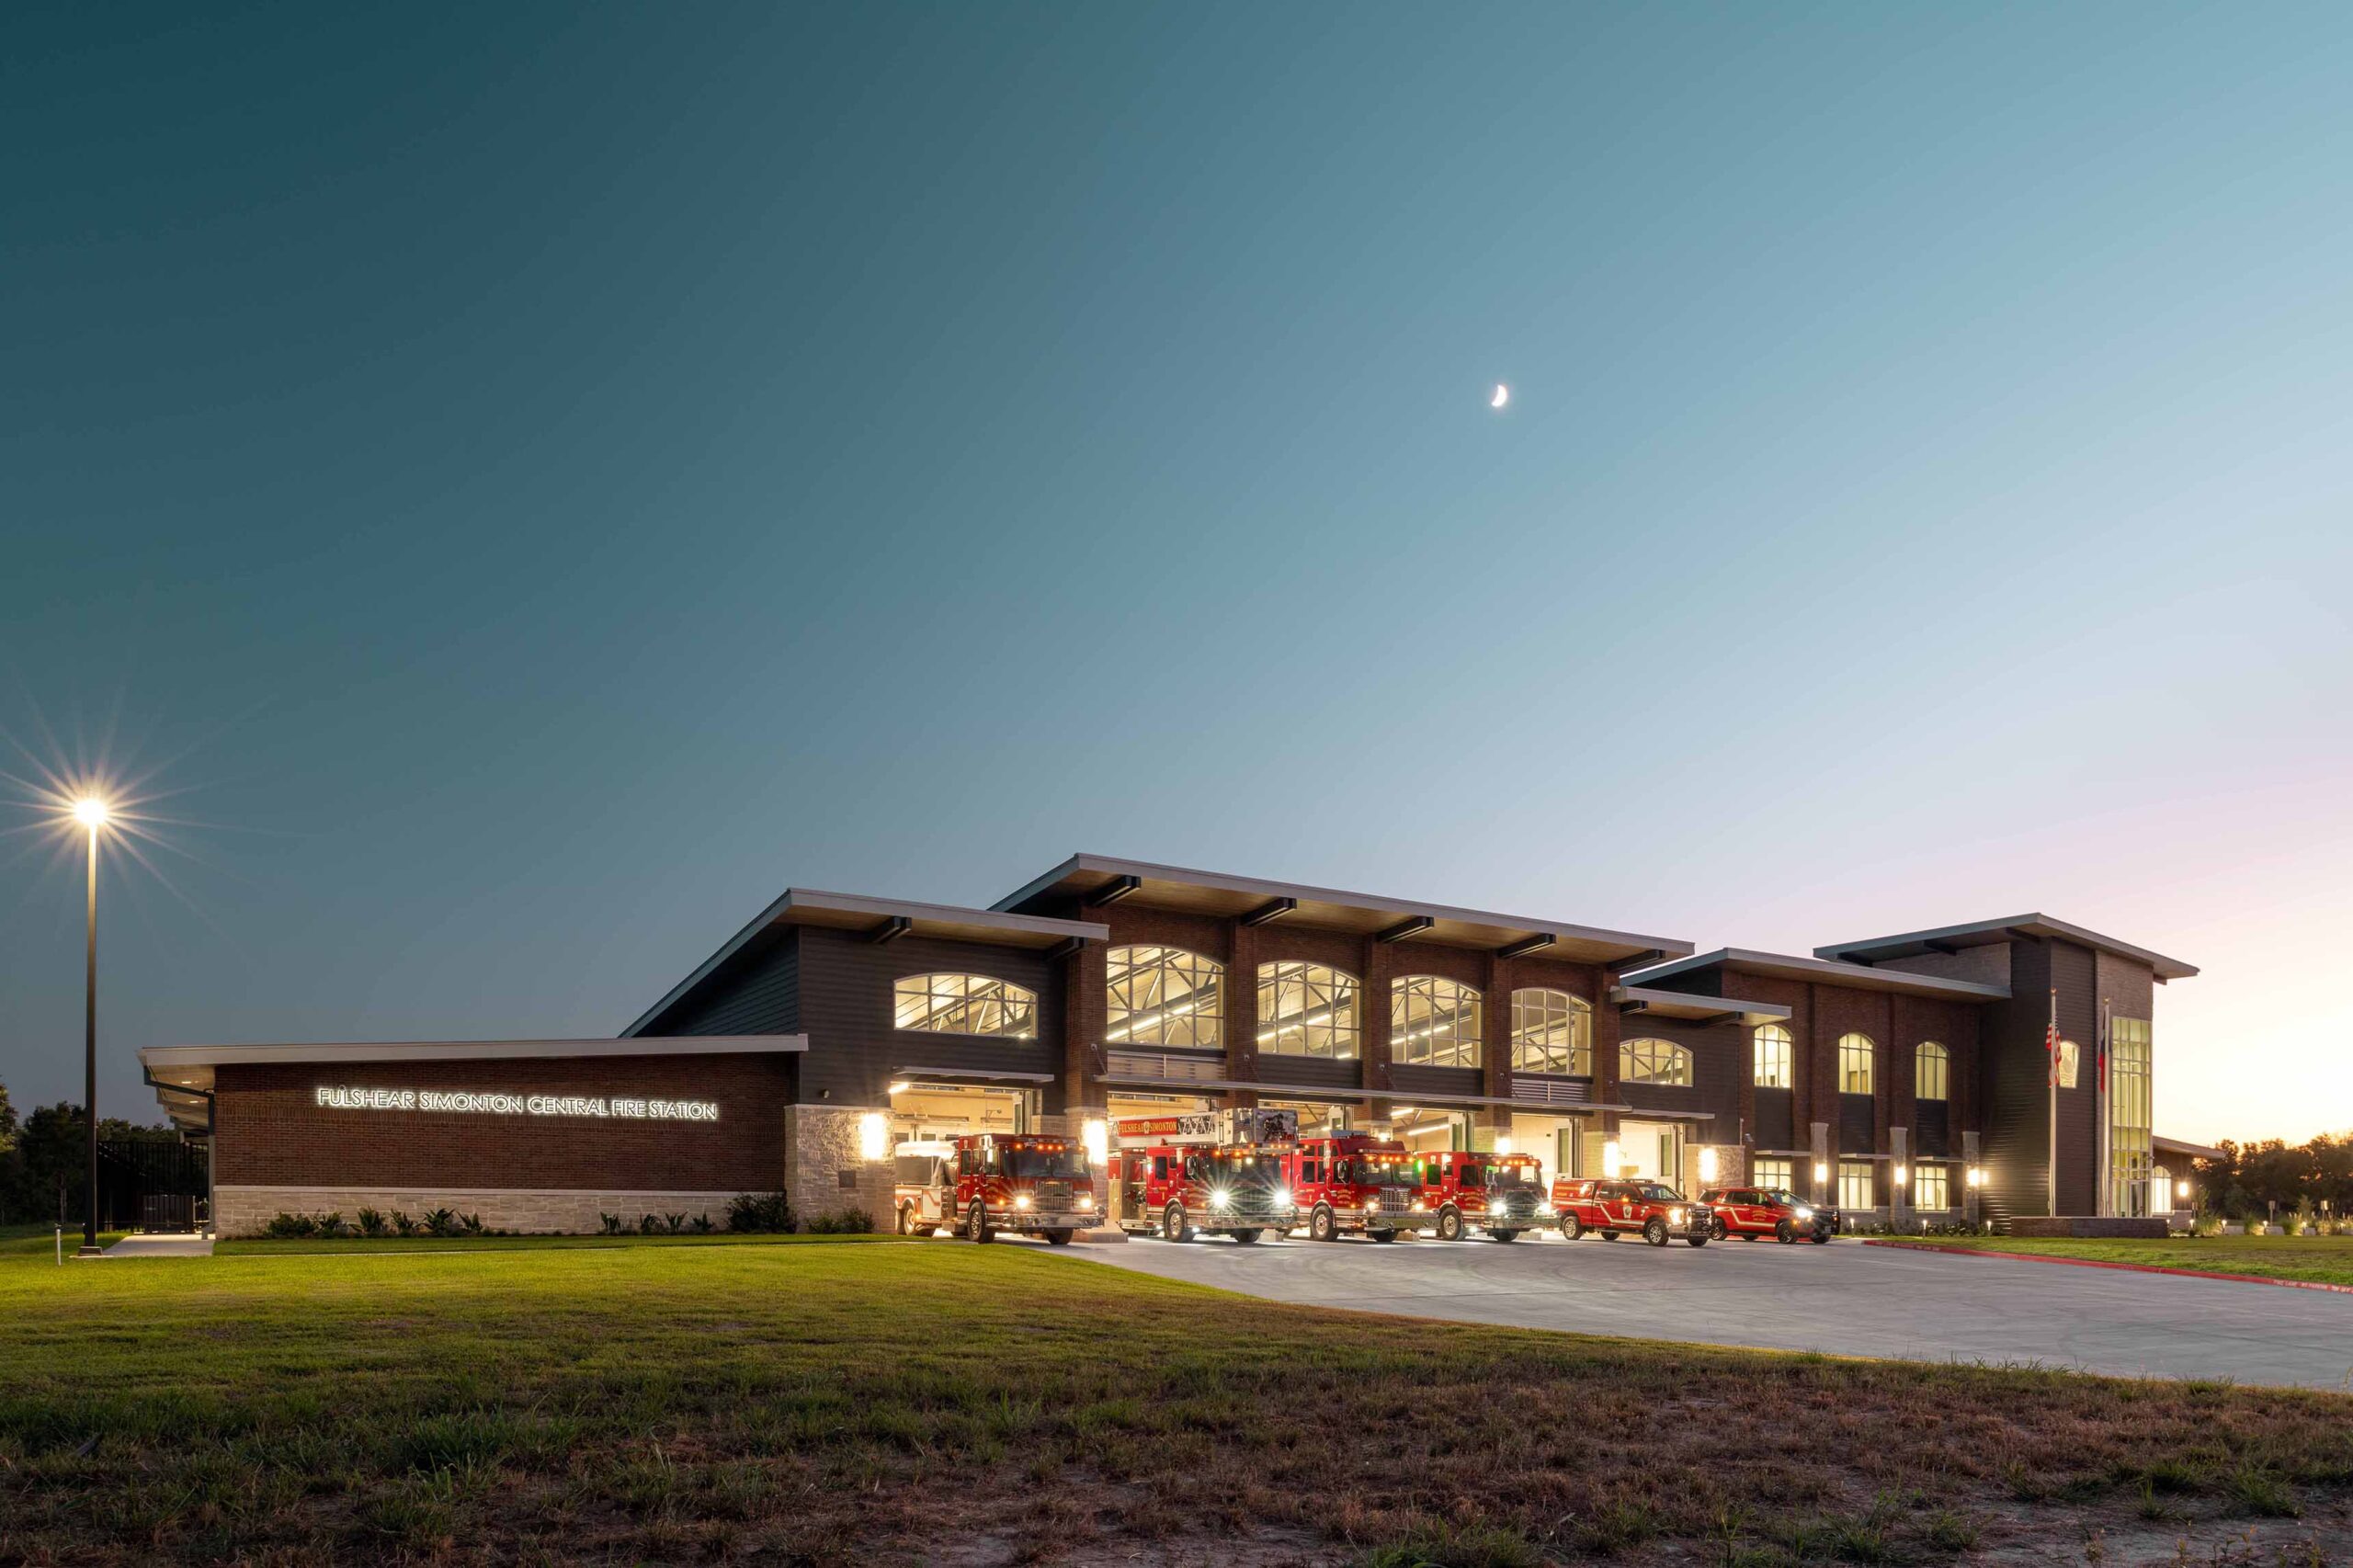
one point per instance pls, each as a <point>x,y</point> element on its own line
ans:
<point>1363,1171</point>
<point>1255,1170</point>
<point>1045,1164</point>
<point>1511,1176</point>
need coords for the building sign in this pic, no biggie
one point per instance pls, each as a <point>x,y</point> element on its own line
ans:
<point>619,1108</point>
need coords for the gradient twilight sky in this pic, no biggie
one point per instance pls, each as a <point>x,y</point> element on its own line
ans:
<point>538,481</point>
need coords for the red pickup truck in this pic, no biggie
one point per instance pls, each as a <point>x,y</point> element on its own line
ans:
<point>1650,1209</point>
<point>1752,1213</point>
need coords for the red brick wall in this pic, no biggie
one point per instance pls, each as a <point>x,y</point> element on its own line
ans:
<point>272,1133</point>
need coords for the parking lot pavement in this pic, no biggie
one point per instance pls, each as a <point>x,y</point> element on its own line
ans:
<point>1844,1298</point>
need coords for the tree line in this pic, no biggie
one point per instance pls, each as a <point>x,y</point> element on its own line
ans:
<point>44,1158</point>
<point>2250,1178</point>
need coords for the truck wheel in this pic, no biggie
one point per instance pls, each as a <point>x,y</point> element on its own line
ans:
<point>976,1225</point>
<point>1697,1241</point>
<point>1246,1237</point>
<point>1655,1231</point>
<point>1716,1230</point>
<point>1057,1238</point>
<point>1785,1233</point>
<point>1503,1235</point>
<point>1449,1224</point>
<point>1321,1226</point>
<point>1572,1228</point>
<point>1382,1235</point>
<point>1174,1226</point>
<point>1607,1234</point>
<point>1821,1238</point>
<point>906,1218</point>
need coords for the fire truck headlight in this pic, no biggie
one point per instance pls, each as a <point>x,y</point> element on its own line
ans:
<point>1220,1198</point>
<point>1544,1206</point>
<point>1086,1201</point>
<point>1372,1207</point>
<point>1801,1213</point>
<point>1282,1198</point>
<point>1419,1204</point>
<point>1021,1200</point>
<point>1675,1217</point>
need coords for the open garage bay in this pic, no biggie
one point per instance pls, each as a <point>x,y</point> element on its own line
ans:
<point>1845,1299</point>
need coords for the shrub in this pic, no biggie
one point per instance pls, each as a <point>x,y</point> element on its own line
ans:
<point>440,1222</point>
<point>848,1222</point>
<point>402,1224</point>
<point>759,1213</point>
<point>371,1222</point>
<point>471,1225</point>
<point>612,1224</point>
<point>2255,1227</point>
<point>675,1223</point>
<point>283,1226</point>
<point>331,1223</point>
<point>703,1226</point>
<point>2206,1226</point>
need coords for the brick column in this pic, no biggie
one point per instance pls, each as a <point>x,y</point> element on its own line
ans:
<point>1495,1028</point>
<point>1372,1017</point>
<point>1824,1159</point>
<point>1240,1002</point>
<point>1899,1193</point>
<point>1968,1193</point>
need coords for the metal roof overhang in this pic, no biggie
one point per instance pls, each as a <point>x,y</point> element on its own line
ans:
<point>1947,939</point>
<point>191,1067</point>
<point>2162,1144</point>
<point>883,918</point>
<point>974,1072</point>
<point>1685,1004</point>
<point>1820,972</point>
<point>1212,892</point>
<point>1411,1097</point>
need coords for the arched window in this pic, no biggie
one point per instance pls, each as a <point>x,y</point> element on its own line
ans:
<point>1306,1009</point>
<point>1552,1031</point>
<point>1858,1065</point>
<point>1433,1022</point>
<point>1657,1061</point>
<point>1164,997</point>
<point>966,1004</point>
<point>1931,1070</point>
<point>1773,1055</point>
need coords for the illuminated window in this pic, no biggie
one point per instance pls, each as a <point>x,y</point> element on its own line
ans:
<point>1931,1189</point>
<point>1773,1070</point>
<point>1856,1189</point>
<point>966,1004</point>
<point>1552,1031</point>
<point>1433,1022</point>
<point>1931,1068</point>
<point>1164,997</point>
<point>1654,1061</point>
<point>1856,1068</point>
<point>1306,1009</point>
<point>2131,1161</point>
<point>1772,1174</point>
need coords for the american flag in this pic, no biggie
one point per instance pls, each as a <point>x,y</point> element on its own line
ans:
<point>2051,1043</point>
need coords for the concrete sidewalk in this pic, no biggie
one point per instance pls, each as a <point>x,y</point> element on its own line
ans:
<point>1844,1298</point>
<point>161,1246</point>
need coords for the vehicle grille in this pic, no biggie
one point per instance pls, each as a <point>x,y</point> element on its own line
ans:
<point>1054,1197</point>
<point>1395,1203</point>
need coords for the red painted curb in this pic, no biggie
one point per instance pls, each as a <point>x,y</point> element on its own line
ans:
<point>2103,1263</point>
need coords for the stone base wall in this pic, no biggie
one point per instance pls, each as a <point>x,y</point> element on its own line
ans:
<point>826,1172</point>
<point>2087,1225</point>
<point>244,1210</point>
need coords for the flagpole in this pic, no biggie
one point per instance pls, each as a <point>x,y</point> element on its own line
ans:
<point>2103,1191</point>
<point>2050,1169</point>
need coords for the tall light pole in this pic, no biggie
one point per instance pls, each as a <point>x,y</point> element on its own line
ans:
<point>92,814</point>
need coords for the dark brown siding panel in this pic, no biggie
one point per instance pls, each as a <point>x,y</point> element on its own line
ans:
<point>2012,1084</point>
<point>1715,1073</point>
<point>1776,1121</point>
<point>1306,1072</point>
<point>1857,1115</point>
<point>1409,1080</point>
<point>2073,972</point>
<point>757,992</point>
<point>846,998</point>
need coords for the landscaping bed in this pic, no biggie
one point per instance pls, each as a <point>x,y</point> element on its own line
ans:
<point>935,1402</point>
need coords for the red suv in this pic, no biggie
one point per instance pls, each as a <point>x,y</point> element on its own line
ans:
<point>1650,1209</point>
<point>1752,1213</point>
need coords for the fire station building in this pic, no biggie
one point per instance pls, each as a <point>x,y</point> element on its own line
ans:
<point>1905,1078</point>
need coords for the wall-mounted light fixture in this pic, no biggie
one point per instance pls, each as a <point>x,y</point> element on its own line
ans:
<point>1610,1158</point>
<point>1977,1175</point>
<point>873,1136</point>
<point>1706,1164</point>
<point>1503,1143</point>
<point>1095,1133</point>
<point>1821,1172</point>
<point>1904,1176</point>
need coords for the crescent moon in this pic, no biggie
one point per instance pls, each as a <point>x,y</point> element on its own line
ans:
<point>1503,396</point>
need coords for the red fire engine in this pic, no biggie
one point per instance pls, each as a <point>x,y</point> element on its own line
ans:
<point>1499,1195</point>
<point>1357,1183</point>
<point>1028,1184</point>
<point>1177,1191</point>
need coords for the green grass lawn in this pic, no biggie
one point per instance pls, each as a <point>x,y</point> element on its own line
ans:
<point>939,1401</point>
<point>317,1246</point>
<point>2327,1259</point>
